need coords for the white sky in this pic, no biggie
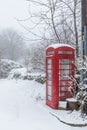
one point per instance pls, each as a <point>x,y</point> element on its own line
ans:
<point>10,10</point>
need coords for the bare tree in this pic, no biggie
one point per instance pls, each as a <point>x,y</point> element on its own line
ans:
<point>73,7</point>
<point>11,44</point>
<point>54,21</point>
<point>27,58</point>
<point>38,57</point>
<point>59,18</point>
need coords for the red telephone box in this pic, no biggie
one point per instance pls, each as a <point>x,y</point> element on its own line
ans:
<point>59,73</point>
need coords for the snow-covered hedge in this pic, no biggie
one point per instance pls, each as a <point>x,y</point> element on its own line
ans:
<point>21,73</point>
<point>6,66</point>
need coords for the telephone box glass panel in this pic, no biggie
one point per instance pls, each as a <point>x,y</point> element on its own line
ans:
<point>65,71</point>
<point>49,98</point>
<point>49,61</point>
<point>50,90</point>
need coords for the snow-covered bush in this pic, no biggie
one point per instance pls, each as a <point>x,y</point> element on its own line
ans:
<point>21,73</point>
<point>41,79</point>
<point>81,95</point>
<point>6,66</point>
<point>17,73</point>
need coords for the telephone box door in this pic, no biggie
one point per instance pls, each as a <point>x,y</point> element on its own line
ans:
<point>66,72</point>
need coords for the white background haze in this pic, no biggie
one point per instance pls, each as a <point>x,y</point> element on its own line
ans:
<point>10,10</point>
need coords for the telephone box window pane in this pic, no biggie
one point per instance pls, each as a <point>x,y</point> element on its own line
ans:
<point>49,72</point>
<point>70,72</point>
<point>49,76</point>
<point>64,61</point>
<point>49,82</point>
<point>63,88</point>
<point>50,90</point>
<point>62,94</point>
<point>64,78</point>
<point>49,98</point>
<point>49,61</point>
<point>49,66</point>
<point>65,66</point>
<point>65,72</point>
<point>63,83</point>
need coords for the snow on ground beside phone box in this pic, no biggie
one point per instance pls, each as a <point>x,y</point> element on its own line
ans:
<point>22,107</point>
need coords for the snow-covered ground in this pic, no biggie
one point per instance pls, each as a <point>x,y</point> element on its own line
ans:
<point>22,107</point>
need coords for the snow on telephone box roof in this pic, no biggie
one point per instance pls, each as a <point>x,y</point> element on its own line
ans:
<point>59,45</point>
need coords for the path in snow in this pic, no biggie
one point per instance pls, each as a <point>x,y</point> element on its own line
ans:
<point>19,109</point>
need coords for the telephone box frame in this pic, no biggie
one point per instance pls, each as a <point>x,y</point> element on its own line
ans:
<point>55,54</point>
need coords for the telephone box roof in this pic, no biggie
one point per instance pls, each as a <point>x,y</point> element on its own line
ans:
<point>59,45</point>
